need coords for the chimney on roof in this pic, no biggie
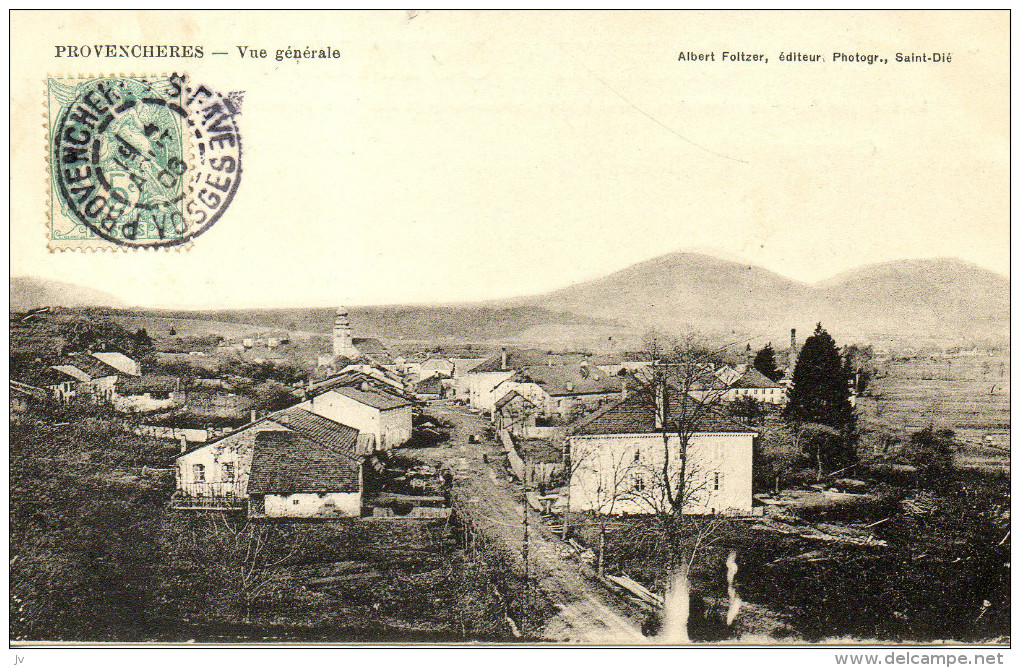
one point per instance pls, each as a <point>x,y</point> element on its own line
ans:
<point>364,386</point>
<point>184,443</point>
<point>254,415</point>
<point>502,360</point>
<point>623,388</point>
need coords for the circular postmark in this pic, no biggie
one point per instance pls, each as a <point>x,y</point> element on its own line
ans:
<point>146,161</point>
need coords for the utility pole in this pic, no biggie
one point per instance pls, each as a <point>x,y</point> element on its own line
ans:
<point>526,608</point>
<point>568,464</point>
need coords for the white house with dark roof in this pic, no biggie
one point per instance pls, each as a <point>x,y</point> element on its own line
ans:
<point>618,453</point>
<point>293,475</point>
<point>753,383</point>
<point>371,410</point>
<point>230,472</point>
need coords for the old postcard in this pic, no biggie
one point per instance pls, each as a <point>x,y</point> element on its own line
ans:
<point>507,328</point>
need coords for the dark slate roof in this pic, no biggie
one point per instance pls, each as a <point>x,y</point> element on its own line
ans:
<point>337,436</point>
<point>137,385</point>
<point>71,371</point>
<point>634,415</point>
<point>515,359</point>
<point>374,349</point>
<point>287,462</point>
<point>332,434</point>
<point>370,396</point>
<point>355,378</point>
<point>430,385</point>
<point>753,378</point>
<point>47,377</point>
<point>510,396</point>
<point>567,380</point>
<point>95,368</point>
<point>540,450</point>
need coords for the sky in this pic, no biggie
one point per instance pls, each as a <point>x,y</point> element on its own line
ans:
<point>456,157</point>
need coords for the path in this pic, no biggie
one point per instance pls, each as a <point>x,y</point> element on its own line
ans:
<point>572,608</point>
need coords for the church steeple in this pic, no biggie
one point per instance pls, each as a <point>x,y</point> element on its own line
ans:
<point>343,339</point>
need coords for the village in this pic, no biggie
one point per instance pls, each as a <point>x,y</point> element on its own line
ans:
<point>569,484</point>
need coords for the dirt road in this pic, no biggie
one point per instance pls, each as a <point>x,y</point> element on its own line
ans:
<point>563,605</point>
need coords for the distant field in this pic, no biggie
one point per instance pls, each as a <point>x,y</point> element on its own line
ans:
<point>969,395</point>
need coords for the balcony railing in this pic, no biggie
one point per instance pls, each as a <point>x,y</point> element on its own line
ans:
<point>182,502</point>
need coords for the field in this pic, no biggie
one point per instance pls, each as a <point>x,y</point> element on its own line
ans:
<point>969,395</point>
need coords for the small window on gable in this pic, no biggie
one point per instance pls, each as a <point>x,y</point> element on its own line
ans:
<point>296,501</point>
<point>717,481</point>
<point>228,472</point>
<point>198,472</point>
<point>637,456</point>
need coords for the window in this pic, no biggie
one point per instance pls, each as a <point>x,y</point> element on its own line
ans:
<point>198,472</point>
<point>637,456</point>
<point>717,481</point>
<point>296,501</point>
<point>638,484</point>
<point>228,472</point>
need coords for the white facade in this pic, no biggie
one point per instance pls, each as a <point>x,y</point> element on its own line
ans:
<point>221,469</point>
<point>391,428</point>
<point>326,504</point>
<point>766,395</point>
<point>481,385</point>
<point>622,473</point>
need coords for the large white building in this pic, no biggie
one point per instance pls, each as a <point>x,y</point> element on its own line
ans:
<point>369,409</point>
<point>618,455</point>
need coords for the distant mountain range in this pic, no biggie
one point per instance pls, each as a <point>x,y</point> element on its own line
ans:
<point>944,300</point>
<point>28,292</point>
<point>941,299</point>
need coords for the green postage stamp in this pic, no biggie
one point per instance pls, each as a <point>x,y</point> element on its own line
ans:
<point>138,162</point>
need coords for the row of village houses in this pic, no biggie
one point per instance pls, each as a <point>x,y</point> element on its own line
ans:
<point>309,459</point>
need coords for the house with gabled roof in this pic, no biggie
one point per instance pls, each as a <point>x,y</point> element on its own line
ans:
<point>244,471</point>
<point>355,374</point>
<point>483,378</point>
<point>433,387</point>
<point>151,392</point>
<point>434,366</point>
<point>515,413</point>
<point>562,390</point>
<point>293,475</point>
<point>99,377</point>
<point>753,383</point>
<point>618,455</point>
<point>370,408</point>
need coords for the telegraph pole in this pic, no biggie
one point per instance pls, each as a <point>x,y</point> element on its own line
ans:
<point>527,575</point>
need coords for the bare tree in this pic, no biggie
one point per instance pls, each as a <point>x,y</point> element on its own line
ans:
<point>682,392</point>
<point>244,554</point>
<point>613,474</point>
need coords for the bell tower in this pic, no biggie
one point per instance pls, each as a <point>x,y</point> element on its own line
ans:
<point>343,340</point>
